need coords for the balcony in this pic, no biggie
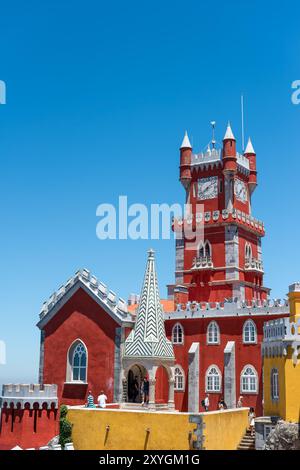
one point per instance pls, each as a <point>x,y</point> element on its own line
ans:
<point>254,264</point>
<point>202,262</point>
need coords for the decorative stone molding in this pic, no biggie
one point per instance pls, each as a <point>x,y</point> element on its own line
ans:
<point>278,335</point>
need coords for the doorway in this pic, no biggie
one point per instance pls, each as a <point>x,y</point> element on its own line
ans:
<point>135,378</point>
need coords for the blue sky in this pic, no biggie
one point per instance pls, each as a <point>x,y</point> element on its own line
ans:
<point>98,97</point>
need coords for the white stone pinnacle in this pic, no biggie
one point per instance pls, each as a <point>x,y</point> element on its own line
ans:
<point>186,142</point>
<point>229,134</point>
<point>249,148</point>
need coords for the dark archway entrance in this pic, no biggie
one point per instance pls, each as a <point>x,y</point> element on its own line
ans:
<point>135,378</point>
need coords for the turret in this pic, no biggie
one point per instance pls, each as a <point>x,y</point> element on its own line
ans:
<point>229,151</point>
<point>185,161</point>
<point>251,155</point>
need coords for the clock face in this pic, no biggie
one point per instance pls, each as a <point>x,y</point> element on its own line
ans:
<point>208,188</point>
<point>240,190</point>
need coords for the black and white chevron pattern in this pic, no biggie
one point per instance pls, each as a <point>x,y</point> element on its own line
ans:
<point>148,338</point>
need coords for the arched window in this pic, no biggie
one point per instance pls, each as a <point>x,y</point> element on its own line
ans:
<point>249,332</point>
<point>213,379</point>
<point>207,248</point>
<point>213,333</point>
<point>249,380</point>
<point>77,362</point>
<point>201,251</point>
<point>274,384</point>
<point>177,334</point>
<point>248,251</point>
<point>179,379</point>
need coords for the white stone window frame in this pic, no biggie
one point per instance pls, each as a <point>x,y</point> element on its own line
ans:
<point>69,368</point>
<point>274,384</point>
<point>182,375</point>
<point>206,247</point>
<point>174,339</point>
<point>248,251</point>
<point>242,389</point>
<point>213,343</point>
<point>219,374</point>
<point>249,341</point>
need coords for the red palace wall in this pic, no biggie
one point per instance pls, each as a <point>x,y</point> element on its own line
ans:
<point>231,329</point>
<point>27,428</point>
<point>80,318</point>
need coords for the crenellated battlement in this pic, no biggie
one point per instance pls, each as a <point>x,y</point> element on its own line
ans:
<point>231,308</point>
<point>20,395</point>
<point>278,335</point>
<point>116,305</point>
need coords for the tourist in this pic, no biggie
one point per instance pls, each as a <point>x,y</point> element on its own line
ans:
<point>135,389</point>
<point>251,417</point>
<point>102,400</point>
<point>145,391</point>
<point>240,402</point>
<point>206,402</point>
<point>90,400</point>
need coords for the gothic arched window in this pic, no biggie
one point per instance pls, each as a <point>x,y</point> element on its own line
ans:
<point>177,334</point>
<point>213,333</point>
<point>179,379</point>
<point>77,362</point>
<point>213,379</point>
<point>249,332</point>
<point>274,384</point>
<point>249,380</point>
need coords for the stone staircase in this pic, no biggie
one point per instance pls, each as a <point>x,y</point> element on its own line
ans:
<point>247,442</point>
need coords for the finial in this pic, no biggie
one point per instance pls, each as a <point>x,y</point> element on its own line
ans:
<point>186,142</point>
<point>213,141</point>
<point>151,253</point>
<point>229,134</point>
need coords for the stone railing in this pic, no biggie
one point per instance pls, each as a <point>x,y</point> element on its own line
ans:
<point>22,394</point>
<point>118,305</point>
<point>281,329</point>
<point>278,336</point>
<point>254,264</point>
<point>202,262</point>
<point>242,160</point>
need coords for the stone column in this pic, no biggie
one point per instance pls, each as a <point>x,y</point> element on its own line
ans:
<point>152,383</point>
<point>171,403</point>
<point>229,375</point>
<point>193,378</point>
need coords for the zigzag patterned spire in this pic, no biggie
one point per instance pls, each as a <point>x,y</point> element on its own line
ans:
<point>148,338</point>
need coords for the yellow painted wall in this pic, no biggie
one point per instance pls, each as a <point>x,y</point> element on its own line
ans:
<point>224,429</point>
<point>288,406</point>
<point>168,431</point>
<point>278,407</point>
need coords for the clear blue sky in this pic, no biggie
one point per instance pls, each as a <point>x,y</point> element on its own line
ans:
<point>98,97</point>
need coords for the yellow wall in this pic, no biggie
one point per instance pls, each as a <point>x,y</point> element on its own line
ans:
<point>288,406</point>
<point>274,408</point>
<point>168,431</point>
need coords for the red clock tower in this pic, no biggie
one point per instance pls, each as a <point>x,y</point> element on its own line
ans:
<point>227,263</point>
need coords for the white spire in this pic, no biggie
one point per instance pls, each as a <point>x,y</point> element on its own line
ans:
<point>186,142</point>
<point>249,148</point>
<point>229,133</point>
<point>148,338</point>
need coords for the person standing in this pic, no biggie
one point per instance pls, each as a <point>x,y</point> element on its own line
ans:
<point>206,402</point>
<point>102,400</point>
<point>145,390</point>
<point>90,400</point>
<point>251,417</point>
<point>240,402</point>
